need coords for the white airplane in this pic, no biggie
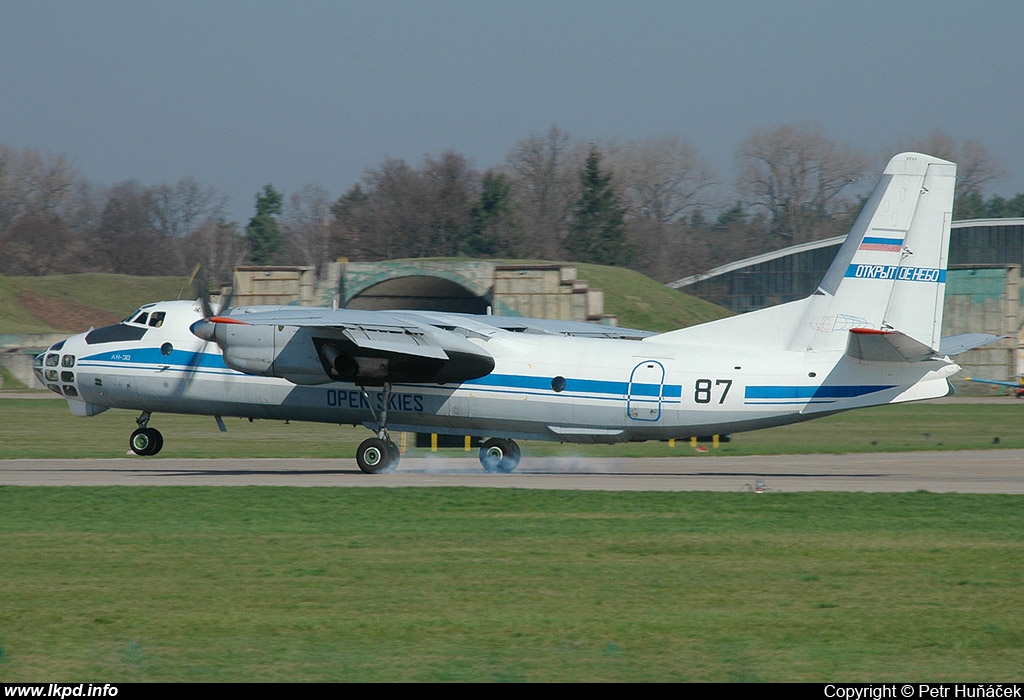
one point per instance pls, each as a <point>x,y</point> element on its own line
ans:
<point>869,335</point>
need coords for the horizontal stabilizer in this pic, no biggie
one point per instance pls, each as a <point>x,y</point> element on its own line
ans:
<point>885,346</point>
<point>956,344</point>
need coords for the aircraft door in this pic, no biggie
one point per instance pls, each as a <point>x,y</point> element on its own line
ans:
<point>646,388</point>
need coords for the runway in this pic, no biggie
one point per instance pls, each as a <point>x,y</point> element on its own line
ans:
<point>987,471</point>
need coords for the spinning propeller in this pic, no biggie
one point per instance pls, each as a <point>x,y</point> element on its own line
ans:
<point>206,328</point>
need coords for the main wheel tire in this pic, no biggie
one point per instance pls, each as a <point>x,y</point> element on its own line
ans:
<point>395,455</point>
<point>158,441</point>
<point>146,441</point>
<point>376,456</point>
<point>500,456</point>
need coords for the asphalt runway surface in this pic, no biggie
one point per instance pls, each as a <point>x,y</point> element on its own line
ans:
<point>984,471</point>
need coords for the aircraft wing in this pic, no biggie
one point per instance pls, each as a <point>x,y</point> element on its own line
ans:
<point>463,323</point>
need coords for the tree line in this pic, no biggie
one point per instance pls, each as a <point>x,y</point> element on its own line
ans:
<point>654,205</point>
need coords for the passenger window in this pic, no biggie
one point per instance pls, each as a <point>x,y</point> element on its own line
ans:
<point>158,319</point>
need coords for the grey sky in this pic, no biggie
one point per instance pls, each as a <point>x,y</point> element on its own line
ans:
<point>239,94</point>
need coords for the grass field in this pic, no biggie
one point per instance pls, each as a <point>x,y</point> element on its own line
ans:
<point>278,584</point>
<point>121,584</point>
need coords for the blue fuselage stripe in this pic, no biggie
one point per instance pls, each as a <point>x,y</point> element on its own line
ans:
<point>213,363</point>
<point>812,392</point>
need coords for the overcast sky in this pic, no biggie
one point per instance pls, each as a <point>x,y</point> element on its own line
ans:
<point>241,93</point>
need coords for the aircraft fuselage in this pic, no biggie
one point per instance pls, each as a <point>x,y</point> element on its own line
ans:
<point>544,387</point>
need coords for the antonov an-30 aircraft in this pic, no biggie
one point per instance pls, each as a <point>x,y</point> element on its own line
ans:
<point>869,335</point>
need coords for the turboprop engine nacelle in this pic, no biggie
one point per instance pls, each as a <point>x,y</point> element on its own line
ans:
<point>318,355</point>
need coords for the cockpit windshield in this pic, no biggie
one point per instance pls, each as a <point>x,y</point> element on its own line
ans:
<point>141,317</point>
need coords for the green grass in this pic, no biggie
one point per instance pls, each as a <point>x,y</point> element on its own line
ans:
<point>379,584</point>
<point>283,584</point>
<point>9,382</point>
<point>44,428</point>
<point>118,294</point>
<point>15,318</point>
<point>640,302</point>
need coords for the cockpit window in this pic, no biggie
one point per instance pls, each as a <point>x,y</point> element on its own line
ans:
<point>140,315</point>
<point>158,319</point>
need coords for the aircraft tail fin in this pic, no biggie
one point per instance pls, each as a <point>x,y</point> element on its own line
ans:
<point>889,276</point>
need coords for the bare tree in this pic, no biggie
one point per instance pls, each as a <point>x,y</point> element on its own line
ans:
<point>179,208</point>
<point>128,238</point>
<point>218,246</point>
<point>660,179</point>
<point>798,177</point>
<point>351,222</point>
<point>32,184</point>
<point>401,211</point>
<point>453,188</point>
<point>306,224</point>
<point>545,173</point>
<point>976,167</point>
<point>397,212</point>
<point>35,198</point>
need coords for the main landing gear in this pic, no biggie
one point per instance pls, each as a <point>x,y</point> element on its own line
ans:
<point>500,455</point>
<point>379,454</point>
<point>145,441</point>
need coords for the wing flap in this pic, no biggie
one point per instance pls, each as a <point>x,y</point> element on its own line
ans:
<point>402,341</point>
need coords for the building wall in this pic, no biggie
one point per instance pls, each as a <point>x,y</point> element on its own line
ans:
<point>985,300</point>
